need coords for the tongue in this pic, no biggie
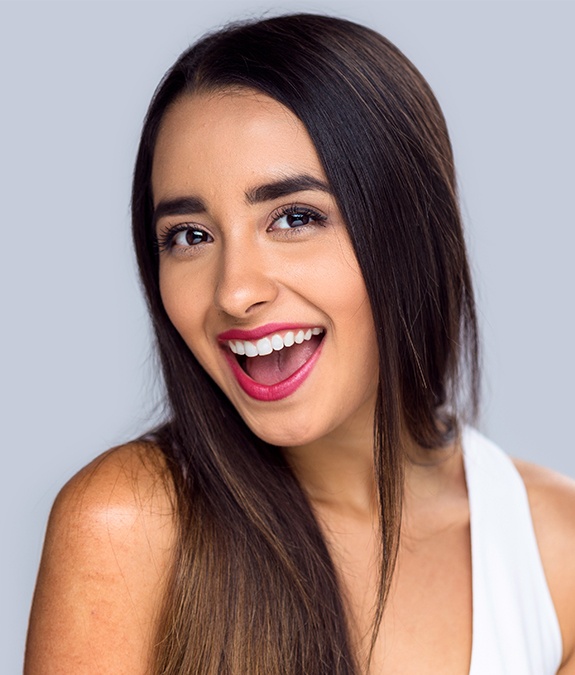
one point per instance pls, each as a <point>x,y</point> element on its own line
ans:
<point>278,366</point>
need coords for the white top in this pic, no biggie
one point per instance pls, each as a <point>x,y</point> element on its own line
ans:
<point>515,626</point>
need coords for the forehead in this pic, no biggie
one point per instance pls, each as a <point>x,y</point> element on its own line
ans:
<point>236,137</point>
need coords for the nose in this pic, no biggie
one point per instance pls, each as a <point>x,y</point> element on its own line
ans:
<point>245,283</point>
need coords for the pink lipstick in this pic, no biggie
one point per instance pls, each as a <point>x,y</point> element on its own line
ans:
<point>270,365</point>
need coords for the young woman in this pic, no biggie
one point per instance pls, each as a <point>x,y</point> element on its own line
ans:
<point>315,502</point>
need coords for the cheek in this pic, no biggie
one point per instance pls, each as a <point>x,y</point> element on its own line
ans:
<point>344,293</point>
<point>356,329</point>
<point>339,281</point>
<point>183,305</point>
<point>340,291</point>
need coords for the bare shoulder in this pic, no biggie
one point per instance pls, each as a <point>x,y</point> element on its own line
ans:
<point>552,501</point>
<point>106,560</point>
<point>132,476</point>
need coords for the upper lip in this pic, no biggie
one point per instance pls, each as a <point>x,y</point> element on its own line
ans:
<point>262,331</point>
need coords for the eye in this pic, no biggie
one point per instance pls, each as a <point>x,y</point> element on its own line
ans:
<point>190,237</point>
<point>183,236</point>
<point>295,217</point>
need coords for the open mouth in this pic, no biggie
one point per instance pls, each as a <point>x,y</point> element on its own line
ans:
<point>275,358</point>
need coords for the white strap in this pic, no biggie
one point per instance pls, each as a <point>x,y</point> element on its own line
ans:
<point>515,626</point>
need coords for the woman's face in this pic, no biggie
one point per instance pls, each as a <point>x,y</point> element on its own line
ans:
<point>256,260</point>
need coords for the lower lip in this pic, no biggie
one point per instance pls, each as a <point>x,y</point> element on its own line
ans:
<point>273,392</point>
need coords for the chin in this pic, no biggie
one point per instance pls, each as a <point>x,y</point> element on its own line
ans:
<point>292,435</point>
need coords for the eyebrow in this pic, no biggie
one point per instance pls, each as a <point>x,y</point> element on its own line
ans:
<point>189,204</point>
<point>180,206</point>
<point>284,187</point>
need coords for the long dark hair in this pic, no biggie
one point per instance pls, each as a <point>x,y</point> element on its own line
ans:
<point>254,588</point>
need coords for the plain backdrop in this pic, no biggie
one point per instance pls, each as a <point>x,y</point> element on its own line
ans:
<point>77,373</point>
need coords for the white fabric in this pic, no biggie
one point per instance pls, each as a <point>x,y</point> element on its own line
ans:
<point>515,626</point>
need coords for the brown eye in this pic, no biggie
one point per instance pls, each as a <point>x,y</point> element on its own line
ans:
<point>298,219</point>
<point>182,237</point>
<point>191,236</point>
<point>294,217</point>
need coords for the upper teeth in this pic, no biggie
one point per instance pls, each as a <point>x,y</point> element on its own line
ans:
<point>273,343</point>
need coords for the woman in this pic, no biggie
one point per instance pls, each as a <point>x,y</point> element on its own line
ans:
<point>315,502</point>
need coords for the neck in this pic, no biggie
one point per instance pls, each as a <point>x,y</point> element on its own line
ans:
<point>338,472</point>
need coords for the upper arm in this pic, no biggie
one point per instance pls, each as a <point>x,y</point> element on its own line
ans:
<point>552,502</point>
<point>104,568</point>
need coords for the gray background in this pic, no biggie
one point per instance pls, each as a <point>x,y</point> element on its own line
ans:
<point>75,80</point>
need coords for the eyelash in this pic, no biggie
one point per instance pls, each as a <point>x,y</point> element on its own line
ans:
<point>297,210</point>
<point>165,240</point>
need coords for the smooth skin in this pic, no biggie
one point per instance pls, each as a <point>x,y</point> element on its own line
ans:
<point>228,261</point>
